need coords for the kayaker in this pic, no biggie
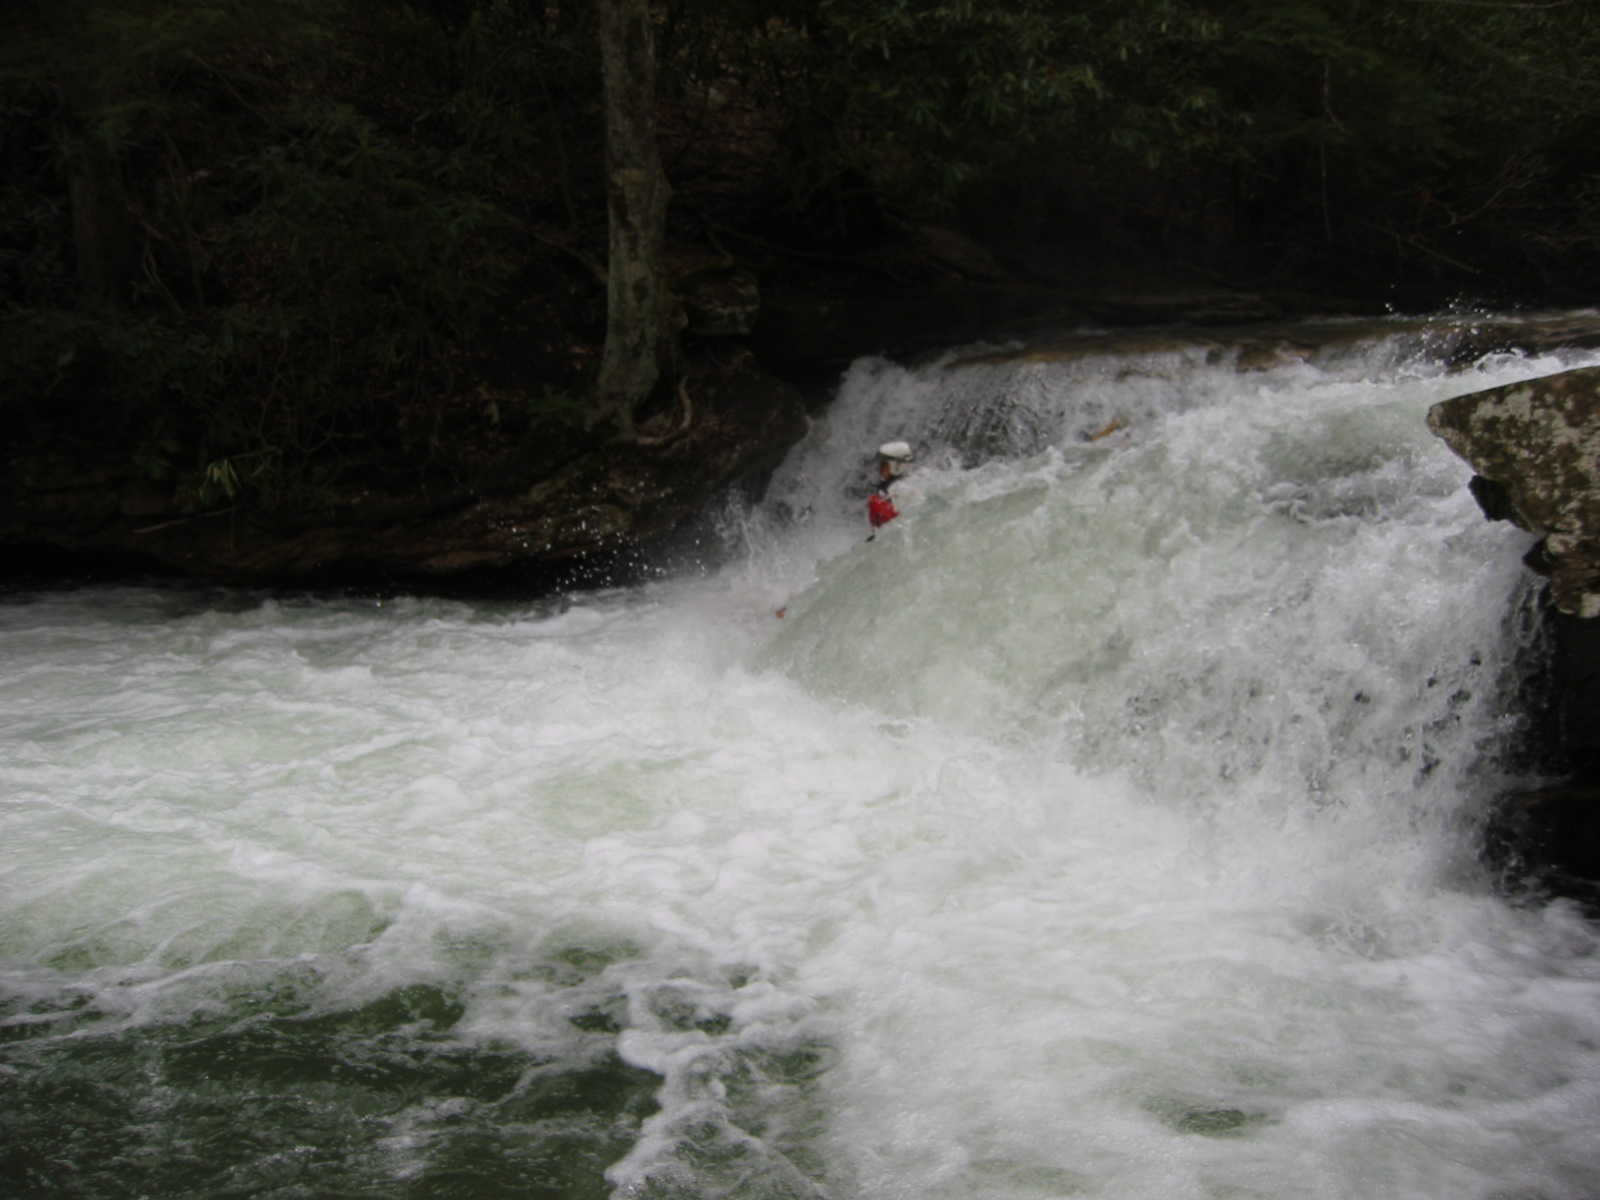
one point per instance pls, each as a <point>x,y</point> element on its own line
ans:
<point>893,459</point>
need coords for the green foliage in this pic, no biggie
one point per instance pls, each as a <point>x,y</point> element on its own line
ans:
<point>1410,136</point>
<point>325,204</point>
<point>252,244</point>
<point>1406,125</point>
<point>923,97</point>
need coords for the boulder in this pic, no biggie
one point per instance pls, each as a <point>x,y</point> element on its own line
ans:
<point>1536,447</point>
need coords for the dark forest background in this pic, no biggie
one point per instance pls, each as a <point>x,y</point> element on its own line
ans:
<point>259,249</point>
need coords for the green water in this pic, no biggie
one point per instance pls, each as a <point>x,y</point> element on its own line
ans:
<point>379,1100</point>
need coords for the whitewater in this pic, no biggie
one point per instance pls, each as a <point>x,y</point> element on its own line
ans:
<point>1108,826</point>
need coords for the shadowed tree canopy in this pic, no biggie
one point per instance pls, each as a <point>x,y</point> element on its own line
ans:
<point>638,312</point>
<point>263,253</point>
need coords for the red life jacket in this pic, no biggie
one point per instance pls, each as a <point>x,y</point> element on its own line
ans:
<point>881,509</point>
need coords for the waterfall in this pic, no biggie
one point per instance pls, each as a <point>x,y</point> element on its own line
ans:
<point>1106,826</point>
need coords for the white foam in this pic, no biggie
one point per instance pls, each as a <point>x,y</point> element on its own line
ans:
<point>1100,831</point>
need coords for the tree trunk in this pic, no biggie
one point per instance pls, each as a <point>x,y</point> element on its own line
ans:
<point>102,236</point>
<point>638,304</point>
<point>102,229</point>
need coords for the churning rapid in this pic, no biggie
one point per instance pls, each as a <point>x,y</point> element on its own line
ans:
<point>1106,827</point>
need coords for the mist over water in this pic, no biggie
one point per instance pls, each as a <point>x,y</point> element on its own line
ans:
<point>1106,827</point>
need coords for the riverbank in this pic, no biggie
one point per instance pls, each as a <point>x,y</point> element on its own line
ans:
<point>518,500</point>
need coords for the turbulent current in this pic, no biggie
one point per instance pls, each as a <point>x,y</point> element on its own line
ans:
<point>1107,827</point>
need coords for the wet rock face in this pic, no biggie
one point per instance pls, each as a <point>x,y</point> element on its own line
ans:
<point>1536,447</point>
<point>1576,688</point>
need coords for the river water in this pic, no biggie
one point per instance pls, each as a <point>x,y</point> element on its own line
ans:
<point>1107,827</point>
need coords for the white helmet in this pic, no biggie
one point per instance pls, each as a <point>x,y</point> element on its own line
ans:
<point>894,456</point>
<point>895,451</point>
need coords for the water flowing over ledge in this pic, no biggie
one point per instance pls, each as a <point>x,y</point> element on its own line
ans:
<point>1108,825</point>
<point>554,517</point>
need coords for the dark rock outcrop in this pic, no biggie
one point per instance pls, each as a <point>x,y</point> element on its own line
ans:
<point>1536,448</point>
<point>583,514</point>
